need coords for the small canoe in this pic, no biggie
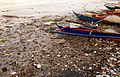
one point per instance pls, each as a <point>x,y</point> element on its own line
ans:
<point>95,18</point>
<point>88,32</point>
<point>112,8</point>
<point>112,13</point>
<point>106,12</point>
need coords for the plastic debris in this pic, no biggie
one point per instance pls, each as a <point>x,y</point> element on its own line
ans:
<point>7,54</point>
<point>48,23</point>
<point>39,66</point>
<point>13,73</point>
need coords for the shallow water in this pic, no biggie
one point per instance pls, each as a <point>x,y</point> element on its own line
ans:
<point>48,7</point>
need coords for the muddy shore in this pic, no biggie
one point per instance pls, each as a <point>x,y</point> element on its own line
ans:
<point>29,50</point>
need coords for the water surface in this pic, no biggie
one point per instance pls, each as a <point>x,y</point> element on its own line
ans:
<point>48,7</point>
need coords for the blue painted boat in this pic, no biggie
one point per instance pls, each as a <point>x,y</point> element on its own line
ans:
<point>95,19</point>
<point>112,8</point>
<point>88,32</point>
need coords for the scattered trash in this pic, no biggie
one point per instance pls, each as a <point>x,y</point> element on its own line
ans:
<point>48,23</point>
<point>7,54</point>
<point>13,73</point>
<point>39,66</point>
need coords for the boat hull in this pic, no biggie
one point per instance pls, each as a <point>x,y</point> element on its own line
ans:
<point>112,8</point>
<point>87,33</point>
<point>112,13</point>
<point>95,19</point>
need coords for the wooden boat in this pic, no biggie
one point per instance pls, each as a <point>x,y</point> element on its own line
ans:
<point>95,18</point>
<point>88,32</point>
<point>112,8</point>
<point>106,12</point>
<point>111,13</point>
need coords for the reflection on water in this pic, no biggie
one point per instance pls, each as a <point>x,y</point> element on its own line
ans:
<point>47,7</point>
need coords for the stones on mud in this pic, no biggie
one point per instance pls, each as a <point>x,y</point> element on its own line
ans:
<point>86,54</point>
<point>95,51</point>
<point>9,26</point>
<point>33,52</point>
<point>90,68</point>
<point>4,69</point>
<point>3,40</point>
<point>102,76</point>
<point>108,48</point>
<point>68,73</point>
<point>22,37</point>
<point>10,16</point>
<point>113,59</point>
<point>58,55</point>
<point>66,66</point>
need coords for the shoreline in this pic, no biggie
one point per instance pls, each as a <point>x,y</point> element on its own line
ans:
<point>28,49</point>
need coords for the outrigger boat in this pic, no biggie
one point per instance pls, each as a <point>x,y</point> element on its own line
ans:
<point>112,8</point>
<point>96,18</point>
<point>112,13</point>
<point>106,12</point>
<point>88,31</point>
